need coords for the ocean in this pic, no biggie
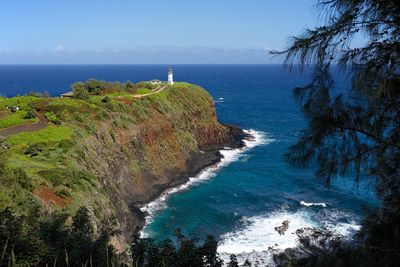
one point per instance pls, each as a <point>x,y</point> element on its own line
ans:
<point>250,191</point>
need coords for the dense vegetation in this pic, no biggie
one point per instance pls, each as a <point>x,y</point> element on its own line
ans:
<point>58,155</point>
<point>50,239</point>
<point>181,253</point>
<point>82,90</point>
<point>357,132</point>
<point>45,161</point>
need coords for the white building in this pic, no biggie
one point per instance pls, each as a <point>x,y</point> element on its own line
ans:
<point>170,76</point>
<point>155,82</point>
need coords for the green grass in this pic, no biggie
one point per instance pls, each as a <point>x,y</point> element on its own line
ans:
<point>65,153</point>
<point>122,93</point>
<point>20,101</point>
<point>49,134</point>
<point>142,91</point>
<point>14,119</point>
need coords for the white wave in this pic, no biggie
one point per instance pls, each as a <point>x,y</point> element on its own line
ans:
<point>259,234</point>
<point>258,241</point>
<point>229,156</point>
<point>344,229</point>
<point>310,204</point>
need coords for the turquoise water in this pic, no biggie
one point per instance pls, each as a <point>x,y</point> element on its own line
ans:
<point>241,201</point>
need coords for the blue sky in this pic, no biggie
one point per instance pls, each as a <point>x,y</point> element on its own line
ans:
<point>149,31</point>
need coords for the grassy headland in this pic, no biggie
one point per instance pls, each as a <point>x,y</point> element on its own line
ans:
<point>108,151</point>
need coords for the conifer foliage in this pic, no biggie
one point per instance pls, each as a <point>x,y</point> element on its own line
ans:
<point>35,240</point>
<point>355,132</point>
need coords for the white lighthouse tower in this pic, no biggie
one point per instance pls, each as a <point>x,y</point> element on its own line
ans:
<point>170,76</point>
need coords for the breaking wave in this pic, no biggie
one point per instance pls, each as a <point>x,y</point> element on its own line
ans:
<point>306,204</point>
<point>258,241</point>
<point>229,155</point>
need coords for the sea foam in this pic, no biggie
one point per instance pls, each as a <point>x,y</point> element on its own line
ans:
<point>306,204</point>
<point>258,241</point>
<point>229,155</point>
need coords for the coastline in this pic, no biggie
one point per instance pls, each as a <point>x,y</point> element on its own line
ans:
<point>218,158</point>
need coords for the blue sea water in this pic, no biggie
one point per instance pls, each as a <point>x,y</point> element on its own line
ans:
<point>243,199</point>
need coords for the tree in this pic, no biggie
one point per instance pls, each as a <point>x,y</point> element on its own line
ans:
<point>145,252</point>
<point>36,240</point>
<point>209,250</point>
<point>357,132</point>
<point>80,91</point>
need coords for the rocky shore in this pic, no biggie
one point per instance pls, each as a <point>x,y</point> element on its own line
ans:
<point>197,162</point>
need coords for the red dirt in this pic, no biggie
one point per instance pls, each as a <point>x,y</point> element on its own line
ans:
<point>49,197</point>
<point>30,127</point>
<point>3,114</point>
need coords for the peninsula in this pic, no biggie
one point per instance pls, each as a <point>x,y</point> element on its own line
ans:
<point>110,147</point>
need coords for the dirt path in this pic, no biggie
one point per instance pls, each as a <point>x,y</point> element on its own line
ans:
<point>31,127</point>
<point>155,91</point>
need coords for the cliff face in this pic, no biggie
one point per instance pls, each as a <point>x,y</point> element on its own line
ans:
<point>119,153</point>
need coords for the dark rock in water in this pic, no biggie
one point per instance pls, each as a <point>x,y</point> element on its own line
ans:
<point>312,242</point>
<point>283,228</point>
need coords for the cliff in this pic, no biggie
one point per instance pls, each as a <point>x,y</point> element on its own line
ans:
<point>111,152</point>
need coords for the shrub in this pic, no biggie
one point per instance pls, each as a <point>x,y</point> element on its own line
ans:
<point>79,91</point>
<point>30,114</point>
<point>50,116</point>
<point>106,99</point>
<point>34,149</point>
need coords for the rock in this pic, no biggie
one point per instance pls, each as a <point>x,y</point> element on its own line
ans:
<point>283,228</point>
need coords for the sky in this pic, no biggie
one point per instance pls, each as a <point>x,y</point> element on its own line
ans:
<point>149,31</point>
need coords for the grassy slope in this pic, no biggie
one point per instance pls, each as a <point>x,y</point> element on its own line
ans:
<point>53,165</point>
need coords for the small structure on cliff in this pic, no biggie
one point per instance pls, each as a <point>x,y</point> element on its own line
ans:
<point>170,76</point>
<point>155,81</point>
<point>68,95</point>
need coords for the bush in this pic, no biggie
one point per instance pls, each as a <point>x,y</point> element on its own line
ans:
<point>18,176</point>
<point>106,99</point>
<point>44,94</point>
<point>79,91</point>
<point>34,150</point>
<point>50,116</point>
<point>30,114</point>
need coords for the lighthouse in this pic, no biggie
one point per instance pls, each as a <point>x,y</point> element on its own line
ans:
<point>170,76</point>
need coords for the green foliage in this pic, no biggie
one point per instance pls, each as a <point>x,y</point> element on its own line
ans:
<point>80,92</point>
<point>18,101</point>
<point>44,94</point>
<point>16,176</point>
<point>146,85</point>
<point>34,149</point>
<point>355,133</point>
<point>30,114</point>
<point>129,85</point>
<point>147,253</point>
<point>36,240</point>
<point>50,116</point>
<point>106,99</point>
<point>17,118</point>
<point>141,91</point>
<point>49,134</point>
<point>96,87</point>
<point>60,160</point>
